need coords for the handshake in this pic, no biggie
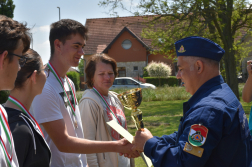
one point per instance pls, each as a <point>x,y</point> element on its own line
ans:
<point>133,150</point>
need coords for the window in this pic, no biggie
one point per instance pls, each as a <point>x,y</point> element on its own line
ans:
<point>121,72</point>
<point>115,82</point>
<point>135,68</point>
<point>129,82</point>
<point>126,44</point>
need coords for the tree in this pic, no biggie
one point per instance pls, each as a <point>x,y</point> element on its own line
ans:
<point>7,8</point>
<point>75,77</point>
<point>219,20</point>
<point>158,70</point>
<point>81,67</point>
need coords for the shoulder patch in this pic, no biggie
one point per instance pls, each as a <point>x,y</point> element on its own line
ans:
<point>197,151</point>
<point>197,135</point>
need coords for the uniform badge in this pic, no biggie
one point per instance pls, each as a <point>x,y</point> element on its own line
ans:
<point>197,151</point>
<point>197,135</point>
<point>181,49</point>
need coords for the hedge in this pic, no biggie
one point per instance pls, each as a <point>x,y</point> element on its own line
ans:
<point>171,81</point>
<point>75,77</point>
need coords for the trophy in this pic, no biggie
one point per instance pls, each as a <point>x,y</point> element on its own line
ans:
<point>131,100</point>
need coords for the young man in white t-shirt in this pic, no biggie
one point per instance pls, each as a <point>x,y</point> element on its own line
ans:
<point>56,109</point>
<point>14,41</point>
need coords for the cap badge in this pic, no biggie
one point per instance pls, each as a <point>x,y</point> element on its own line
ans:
<point>181,49</point>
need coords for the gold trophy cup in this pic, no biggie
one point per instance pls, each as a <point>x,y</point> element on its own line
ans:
<point>131,100</point>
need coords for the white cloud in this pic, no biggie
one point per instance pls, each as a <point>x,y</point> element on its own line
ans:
<point>45,28</point>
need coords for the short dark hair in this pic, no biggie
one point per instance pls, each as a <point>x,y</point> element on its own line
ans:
<point>91,66</point>
<point>11,32</point>
<point>63,29</point>
<point>33,63</point>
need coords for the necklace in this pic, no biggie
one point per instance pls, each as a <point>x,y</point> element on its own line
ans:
<point>72,106</point>
<point>7,131</point>
<point>25,111</point>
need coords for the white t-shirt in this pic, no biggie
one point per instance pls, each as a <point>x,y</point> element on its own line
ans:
<point>120,118</point>
<point>52,105</point>
<point>3,160</point>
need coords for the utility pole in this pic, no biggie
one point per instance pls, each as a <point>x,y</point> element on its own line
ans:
<point>59,12</point>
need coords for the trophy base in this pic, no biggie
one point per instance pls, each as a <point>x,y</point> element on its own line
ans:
<point>137,116</point>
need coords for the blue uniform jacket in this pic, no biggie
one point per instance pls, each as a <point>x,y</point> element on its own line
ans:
<point>227,144</point>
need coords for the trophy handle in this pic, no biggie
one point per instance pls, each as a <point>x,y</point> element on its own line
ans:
<point>137,116</point>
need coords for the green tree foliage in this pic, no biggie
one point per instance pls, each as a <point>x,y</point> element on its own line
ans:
<point>7,8</point>
<point>222,21</point>
<point>81,67</point>
<point>158,70</point>
<point>4,96</point>
<point>75,77</point>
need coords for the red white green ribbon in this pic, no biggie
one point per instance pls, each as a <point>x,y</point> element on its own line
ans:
<point>23,108</point>
<point>72,106</point>
<point>106,103</point>
<point>7,131</point>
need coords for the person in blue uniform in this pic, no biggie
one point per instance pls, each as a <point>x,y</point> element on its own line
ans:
<point>213,131</point>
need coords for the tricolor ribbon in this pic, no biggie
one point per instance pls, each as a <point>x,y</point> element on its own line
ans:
<point>7,131</point>
<point>106,103</point>
<point>24,110</point>
<point>72,106</point>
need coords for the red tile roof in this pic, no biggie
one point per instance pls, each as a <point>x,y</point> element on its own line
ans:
<point>102,31</point>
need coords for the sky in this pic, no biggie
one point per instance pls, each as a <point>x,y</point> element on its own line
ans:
<point>39,14</point>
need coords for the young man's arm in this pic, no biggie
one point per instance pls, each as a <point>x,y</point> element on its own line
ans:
<point>57,131</point>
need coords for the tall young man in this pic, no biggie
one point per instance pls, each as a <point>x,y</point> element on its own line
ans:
<point>14,41</point>
<point>56,109</point>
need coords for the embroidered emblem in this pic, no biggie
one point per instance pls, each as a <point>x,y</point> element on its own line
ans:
<point>197,135</point>
<point>181,49</point>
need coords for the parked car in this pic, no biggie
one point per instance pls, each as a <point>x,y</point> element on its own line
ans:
<point>130,83</point>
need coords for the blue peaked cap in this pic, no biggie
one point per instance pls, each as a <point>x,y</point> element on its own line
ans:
<point>199,47</point>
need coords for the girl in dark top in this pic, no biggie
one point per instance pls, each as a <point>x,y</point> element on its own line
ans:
<point>31,148</point>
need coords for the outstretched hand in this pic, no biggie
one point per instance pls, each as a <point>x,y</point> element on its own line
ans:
<point>125,148</point>
<point>140,139</point>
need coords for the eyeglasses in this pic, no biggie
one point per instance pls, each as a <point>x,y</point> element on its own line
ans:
<point>46,69</point>
<point>22,59</point>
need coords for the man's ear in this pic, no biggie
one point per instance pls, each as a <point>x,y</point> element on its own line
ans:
<point>57,44</point>
<point>3,57</point>
<point>199,66</point>
<point>33,76</point>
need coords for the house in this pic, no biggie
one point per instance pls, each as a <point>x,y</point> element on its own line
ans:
<point>120,38</point>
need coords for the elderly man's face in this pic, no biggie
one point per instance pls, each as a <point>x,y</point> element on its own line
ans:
<point>187,74</point>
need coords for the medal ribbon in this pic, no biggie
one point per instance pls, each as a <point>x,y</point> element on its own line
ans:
<point>22,107</point>
<point>106,103</point>
<point>7,131</point>
<point>62,85</point>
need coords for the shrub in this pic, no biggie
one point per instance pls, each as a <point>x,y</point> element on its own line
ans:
<point>158,70</point>
<point>75,77</point>
<point>4,96</point>
<point>145,72</point>
<point>171,81</point>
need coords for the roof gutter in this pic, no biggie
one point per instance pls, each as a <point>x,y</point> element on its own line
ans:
<point>147,58</point>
